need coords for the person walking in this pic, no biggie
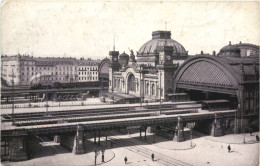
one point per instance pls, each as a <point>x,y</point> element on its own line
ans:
<point>229,148</point>
<point>152,157</point>
<point>257,138</point>
<point>125,160</point>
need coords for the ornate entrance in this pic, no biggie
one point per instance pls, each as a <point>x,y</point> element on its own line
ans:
<point>131,84</point>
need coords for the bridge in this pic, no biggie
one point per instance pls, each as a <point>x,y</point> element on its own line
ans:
<point>35,95</point>
<point>78,123</point>
<point>27,91</point>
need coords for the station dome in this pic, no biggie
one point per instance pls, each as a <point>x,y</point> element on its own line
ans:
<point>229,51</point>
<point>123,59</point>
<point>159,40</point>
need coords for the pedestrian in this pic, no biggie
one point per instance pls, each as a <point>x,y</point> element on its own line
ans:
<point>257,138</point>
<point>229,148</point>
<point>111,145</point>
<point>153,157</point>
<point>125,160</point>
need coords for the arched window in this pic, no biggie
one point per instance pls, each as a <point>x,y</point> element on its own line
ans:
<point>131,83</point>
<point>153,89</point>
<point>147,88</point>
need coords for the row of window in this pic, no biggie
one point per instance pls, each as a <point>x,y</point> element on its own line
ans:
<point>48,68</point>
<point>56,73</point>
<point>47,79</point>
<point>88,73</point>
<point>88,78</point>
<point>88,68</point>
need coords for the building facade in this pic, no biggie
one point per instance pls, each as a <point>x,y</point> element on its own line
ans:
<point>26,70</point>
<point>88,70</point>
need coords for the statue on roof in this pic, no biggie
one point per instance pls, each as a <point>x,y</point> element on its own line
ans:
<point>132,52</point>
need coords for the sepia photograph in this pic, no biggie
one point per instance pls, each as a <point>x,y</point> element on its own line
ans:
<point>136,83</point>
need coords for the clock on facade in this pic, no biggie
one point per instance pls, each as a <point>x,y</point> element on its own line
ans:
<point>115,59</point>
<point>168,57</point>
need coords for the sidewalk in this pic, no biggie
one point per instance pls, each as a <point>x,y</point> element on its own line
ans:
<point>235,138</point>
<point>164,143</point>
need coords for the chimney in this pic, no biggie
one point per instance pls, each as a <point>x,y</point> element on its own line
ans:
<point>201,52</point>
<point>214,53</point>
<point>229,42</point>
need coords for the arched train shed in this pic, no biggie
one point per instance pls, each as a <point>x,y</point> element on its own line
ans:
<point>234,78</point>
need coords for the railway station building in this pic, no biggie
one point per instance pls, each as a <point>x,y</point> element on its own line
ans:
<point>148,74</point>
<point>162,69</point>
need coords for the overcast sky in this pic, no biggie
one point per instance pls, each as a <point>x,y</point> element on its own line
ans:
<point>86,29</point>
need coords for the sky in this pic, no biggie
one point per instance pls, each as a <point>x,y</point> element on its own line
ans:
<point>86,29</point>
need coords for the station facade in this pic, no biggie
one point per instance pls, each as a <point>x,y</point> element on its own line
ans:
<point>148,74</point>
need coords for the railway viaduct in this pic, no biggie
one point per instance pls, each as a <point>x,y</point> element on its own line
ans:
<point>72,134</point>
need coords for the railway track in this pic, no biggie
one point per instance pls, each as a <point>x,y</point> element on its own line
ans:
<point>90,112</point>
<point>129,114</point>
<point>146,152</point>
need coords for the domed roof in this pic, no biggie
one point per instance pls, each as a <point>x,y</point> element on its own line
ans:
<point>158,42</point>
<point>123,59</point>
<point>229,51</point>
<point>124,55</point>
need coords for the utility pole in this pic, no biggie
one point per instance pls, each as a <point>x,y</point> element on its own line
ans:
<point>12,75</point>
<point>141,67</point>
<point>47,102</point>
<point>160,93</point>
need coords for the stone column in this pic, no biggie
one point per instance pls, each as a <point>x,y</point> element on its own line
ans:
<point>217,127</point>
<point>17,149</point>
<point>78,147</point>
<point>180,133</point>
